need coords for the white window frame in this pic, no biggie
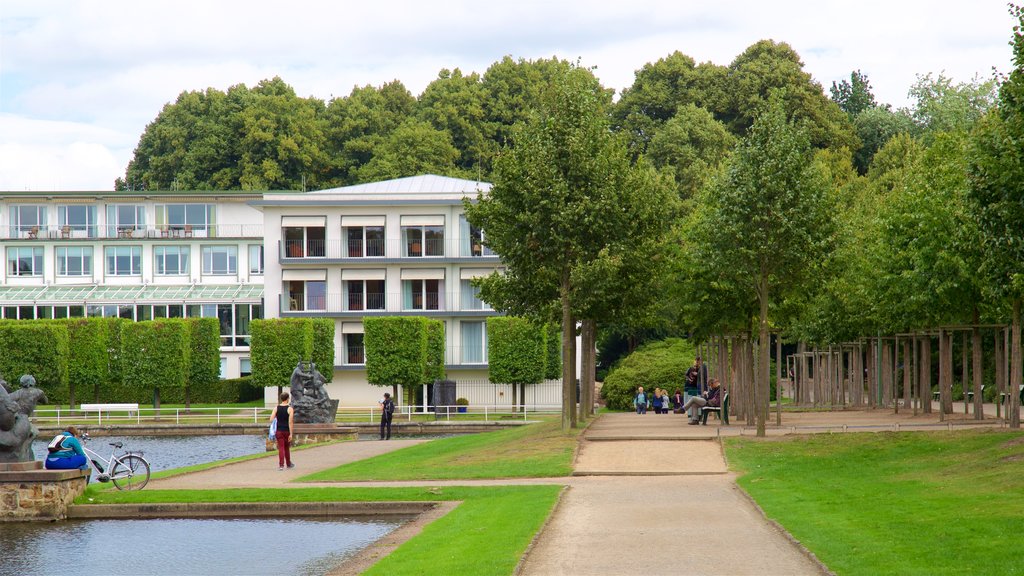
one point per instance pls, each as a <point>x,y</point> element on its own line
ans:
<point>135,260</point>
<point>229,252</point>
<point>16,256</point>
<point>160,254</point>
<point>84,255</point>
<point>256,259</point>
<point>483,343</point>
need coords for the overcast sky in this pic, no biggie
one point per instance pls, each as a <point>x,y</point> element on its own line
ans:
<point>79,81</point>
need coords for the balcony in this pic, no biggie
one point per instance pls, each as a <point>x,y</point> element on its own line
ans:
<point>132,232</point>
<point>384,251</point>
<point>474,357</point>
<point>385,304</point>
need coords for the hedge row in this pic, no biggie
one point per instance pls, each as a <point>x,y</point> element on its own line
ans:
<point>517,350</point>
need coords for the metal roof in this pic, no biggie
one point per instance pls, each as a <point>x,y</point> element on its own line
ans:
<point>14,295</point>
<point>423,184</point>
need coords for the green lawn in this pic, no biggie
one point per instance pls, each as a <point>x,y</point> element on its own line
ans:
<point>894,503</point>
<point>485,535</point>
<point>531,451</point>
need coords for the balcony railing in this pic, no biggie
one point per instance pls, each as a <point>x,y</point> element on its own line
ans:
<point>373,302</point>
<point>381,249</point>
<point>129,232</point>
<point>468,356</point>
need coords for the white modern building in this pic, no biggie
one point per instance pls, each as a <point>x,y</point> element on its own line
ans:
<point>398,247</point>
<point>136,255</point>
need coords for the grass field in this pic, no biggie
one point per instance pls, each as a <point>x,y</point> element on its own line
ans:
<point>894,503</point>
<point>533,451</point>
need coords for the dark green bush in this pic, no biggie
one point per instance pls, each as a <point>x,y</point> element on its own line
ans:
<point>40,349</point>
<point>553,366</point>
<point>323,346</point>
<point>155,358</point>
<point>277,346</point>
<point>228,391</point>
<point>204,350</point>
<point>660,364</point>
<point>517,350</point>
<point>396,351</point>
<point>434,368</point>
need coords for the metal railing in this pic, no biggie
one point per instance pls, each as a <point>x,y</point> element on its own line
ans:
<point>454,301</point>
<point>382,249</point>
<point>131,231</point>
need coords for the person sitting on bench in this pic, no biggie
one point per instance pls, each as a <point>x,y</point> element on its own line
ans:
<point>709,398</point>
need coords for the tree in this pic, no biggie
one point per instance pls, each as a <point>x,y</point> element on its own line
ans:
<point>692,144</point>
<point>942,106</point>
<point>876,126</point>
<point>155,355</point>
<point>516,353</point>
<point>996,180</point>
<point>277,346</point>
<point>556,202</point>
<point>768,220</point>
<point>853,96</point>
<point>413,148</point>
<point>398,352</point>
<point>204,356</point>
<point>454,103</point>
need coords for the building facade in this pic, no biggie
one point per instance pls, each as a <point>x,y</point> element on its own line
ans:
<point>397,247</point>
<point>136,255</point>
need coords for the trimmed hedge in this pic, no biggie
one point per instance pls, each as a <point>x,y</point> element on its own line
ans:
<point>396,349</point>
<point>88,363</point>
<point>277,346</point>
<point>227,391</point>
<point>660,364</point>
<point>323,346</point>
<point>155,357</point>
<point>517,350</point>
<point>40,349</point>
<point>434,359</point>
<point>553,366</point>
<point>204,344</point>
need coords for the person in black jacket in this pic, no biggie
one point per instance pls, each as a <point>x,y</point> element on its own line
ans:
<point>387,410</point>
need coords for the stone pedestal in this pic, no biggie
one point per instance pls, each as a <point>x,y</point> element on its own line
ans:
<point>27,492</point>
<point>316,433</point>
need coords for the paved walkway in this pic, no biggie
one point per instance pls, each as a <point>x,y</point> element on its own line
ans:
<point>650,495</point>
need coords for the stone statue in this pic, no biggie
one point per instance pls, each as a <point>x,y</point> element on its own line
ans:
<point>309,395</point>
<point>16,428</point>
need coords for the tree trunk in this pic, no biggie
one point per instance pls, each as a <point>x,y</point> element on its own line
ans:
<point>778,380</point>
<point>1015,367</point>
<point>761,383</point>
<point>568,405</point>
<point>976,360</point>
<point>515,398</point>
<point>908,364</point>
<point>188,399</point>
<point>964,375</point>
<point>926,374</point>
<point>997,354</point>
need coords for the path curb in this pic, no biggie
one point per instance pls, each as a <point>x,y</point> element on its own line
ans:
<point>785,533</point>
<point>533,541</point>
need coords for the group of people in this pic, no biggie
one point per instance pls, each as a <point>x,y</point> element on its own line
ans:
<point>698,391</point>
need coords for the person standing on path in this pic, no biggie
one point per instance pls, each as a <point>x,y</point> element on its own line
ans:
<point>387,410</point>
<point>285,416</point>
<point>640,401</point>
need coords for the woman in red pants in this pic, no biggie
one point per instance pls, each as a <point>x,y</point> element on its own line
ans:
<point>285,416</point>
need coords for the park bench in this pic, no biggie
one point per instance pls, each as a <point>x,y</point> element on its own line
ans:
<point>1003,396</point>
<point>722,411</point>
<point>970,394</point>
<point>107,408</point>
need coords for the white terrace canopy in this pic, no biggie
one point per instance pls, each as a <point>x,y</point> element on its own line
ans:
<point>15,295</point>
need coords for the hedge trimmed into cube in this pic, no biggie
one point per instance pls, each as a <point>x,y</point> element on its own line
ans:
<point>40,349</point>
<point>277,346</point>
<point>156,356</point>
<point>323,346</point>
<point>517,350</point>
<point>403,351</point>
<point>204,369</point>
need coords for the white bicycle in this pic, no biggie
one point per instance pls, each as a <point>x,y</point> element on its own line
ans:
<point>128,471</point>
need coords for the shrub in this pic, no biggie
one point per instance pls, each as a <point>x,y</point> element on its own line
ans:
<point>396,351</point>
<point>517,350</point>
<point>660,364</point>
<point>434,368</point>
<point>228,391</point>
<point>204,365</point>
<point>277,345</point>
<point>88,365</point>
<point>155,357</point>
<point>39,349</point>
<point>323,346</point>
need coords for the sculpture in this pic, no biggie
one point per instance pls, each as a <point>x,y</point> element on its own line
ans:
<point>309,395</point>
<point>16,428</point>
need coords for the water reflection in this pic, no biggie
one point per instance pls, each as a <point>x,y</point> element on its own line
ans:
<point>256,546</point>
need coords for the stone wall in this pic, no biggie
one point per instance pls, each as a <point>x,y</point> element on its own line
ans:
<point>31,493</point>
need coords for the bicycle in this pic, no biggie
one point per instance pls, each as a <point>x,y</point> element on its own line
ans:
<point>128,471</point>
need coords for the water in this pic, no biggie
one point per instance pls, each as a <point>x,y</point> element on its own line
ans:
<point>208,546</point>
<point>166,452</point>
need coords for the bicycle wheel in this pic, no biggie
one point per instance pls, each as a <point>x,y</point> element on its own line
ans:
<point>130,472</point>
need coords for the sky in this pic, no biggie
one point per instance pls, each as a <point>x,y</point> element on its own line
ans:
<point>80,80</point>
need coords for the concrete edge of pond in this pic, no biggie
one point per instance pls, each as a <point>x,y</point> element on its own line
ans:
<point>246,509</point>
<point>397,428</point>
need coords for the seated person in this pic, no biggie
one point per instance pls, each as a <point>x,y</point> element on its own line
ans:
<point>709,398</point>
<point>66,452</point>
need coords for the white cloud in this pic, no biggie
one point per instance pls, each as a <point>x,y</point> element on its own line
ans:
<point>92,74</point>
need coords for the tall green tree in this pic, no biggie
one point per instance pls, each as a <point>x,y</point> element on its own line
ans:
<point>854,95</point>
<point>996,179</point>
<point>455,103</point>
<point>691,145</point>
<point>768,220</point>
<point>414,147</point>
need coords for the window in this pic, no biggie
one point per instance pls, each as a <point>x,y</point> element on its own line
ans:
<point>471,297</point>
<point>25,261</point>
<point>354,351</point>
<point>244,313</point>
<point>474,342</point>
<point>74,261</point>
<point>423,240</point>
<point>125,218</point>
<point>171,260</point>
<point>305,241</point>
<point>77,218</point>
<point>124,260</point>
<point>27,220</point>
<point>364,241</point>
<point>421,294</point>
<point>220,260</point>
<point>365,294</point>
<point>223,367</point>
<point>198,217</point>
<point>244,367</point>
<point>472,243</point>
<point>168,311</point>
<point>306,295</point>
<point>256,259</point>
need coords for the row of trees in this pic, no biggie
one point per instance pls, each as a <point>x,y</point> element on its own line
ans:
<point>109,359</point>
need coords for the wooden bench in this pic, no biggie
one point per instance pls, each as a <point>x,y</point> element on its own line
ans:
<point>101,408</point>
<point>1003,396</point>
<point>722,411</point>
<point>970,394</point>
